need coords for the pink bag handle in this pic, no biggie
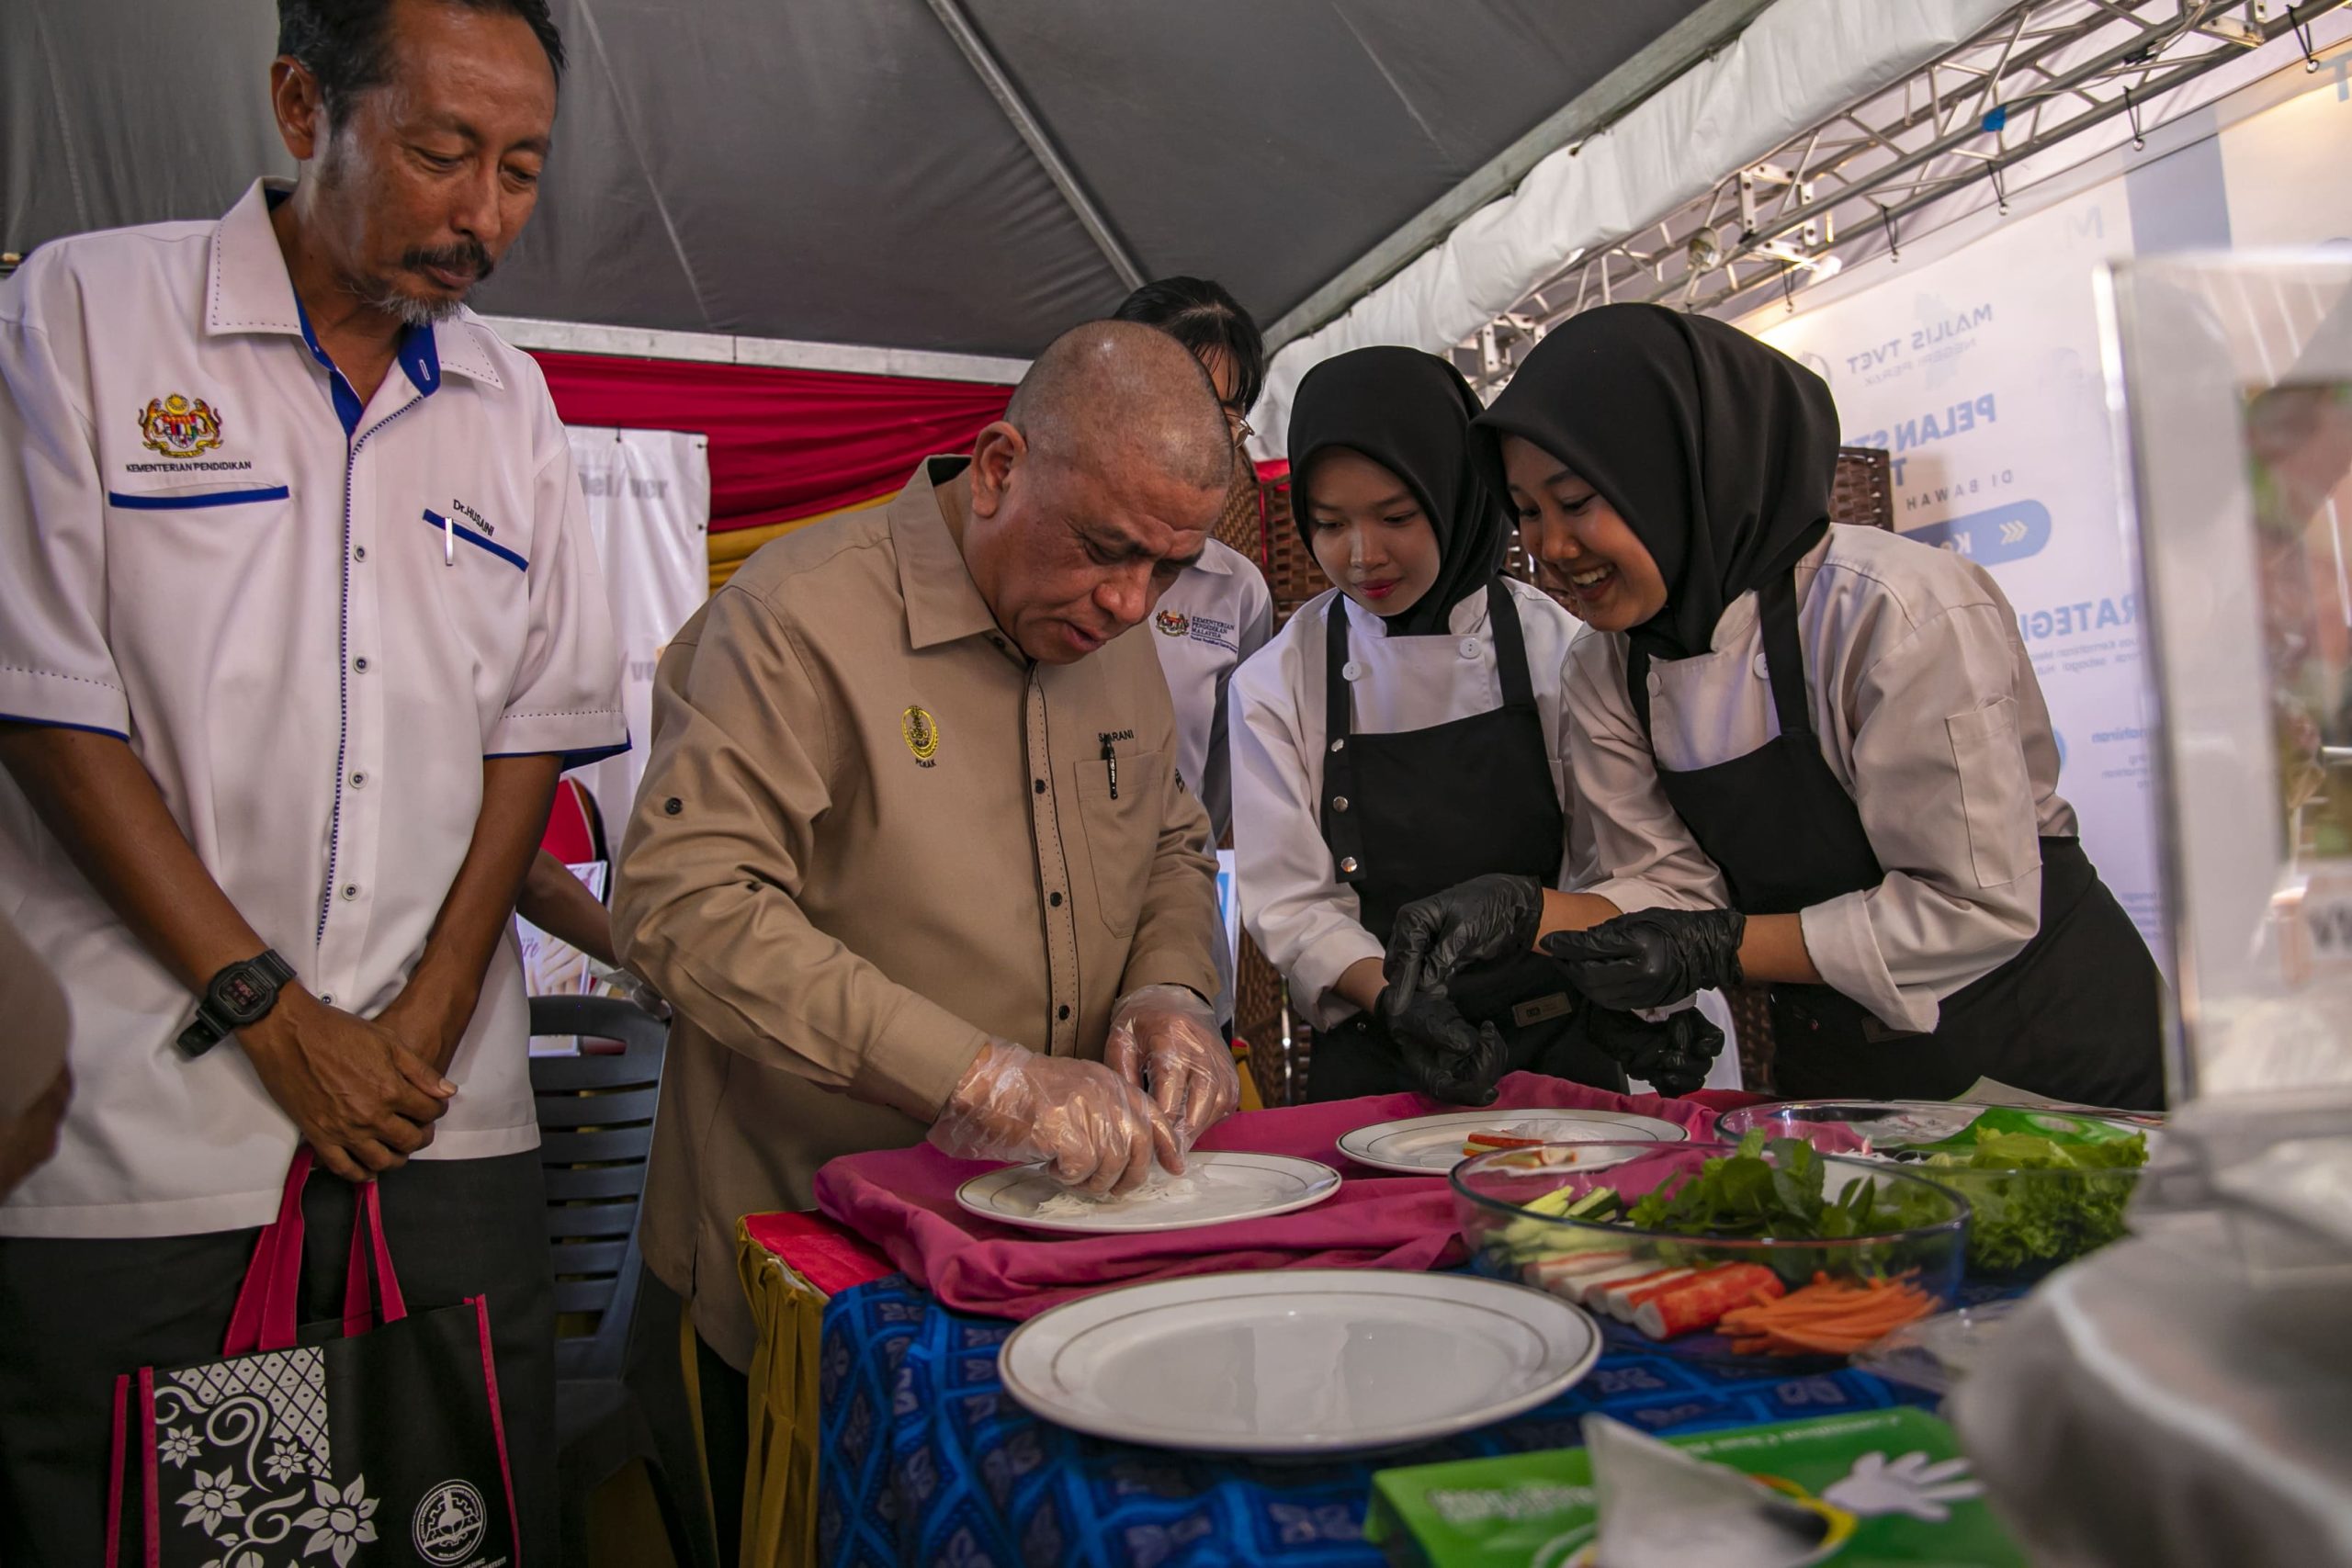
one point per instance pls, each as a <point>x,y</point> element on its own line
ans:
<point>367,1240</point>
<point>266,1302</point>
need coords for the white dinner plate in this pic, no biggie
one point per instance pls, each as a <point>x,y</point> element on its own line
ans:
<point>1297,1362</point>
<point>1215,1188</point>
<point>1432,1144</point>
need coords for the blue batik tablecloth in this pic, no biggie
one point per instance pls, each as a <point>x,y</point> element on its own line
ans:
<point>925,1459</point>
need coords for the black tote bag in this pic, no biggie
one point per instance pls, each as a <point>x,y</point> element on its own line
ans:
<point>383,1447</point>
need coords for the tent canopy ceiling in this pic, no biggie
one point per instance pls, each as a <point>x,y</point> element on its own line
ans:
<point>838,170</point>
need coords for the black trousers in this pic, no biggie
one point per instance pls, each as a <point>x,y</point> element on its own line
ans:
<point>74,1313</point>
<point>726,1396</point>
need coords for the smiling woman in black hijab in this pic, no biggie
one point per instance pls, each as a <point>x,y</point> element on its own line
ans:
<point>1402,733</point>
<point>1817,757</point>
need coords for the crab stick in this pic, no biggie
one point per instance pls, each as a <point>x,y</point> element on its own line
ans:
<point>1701,1300</point>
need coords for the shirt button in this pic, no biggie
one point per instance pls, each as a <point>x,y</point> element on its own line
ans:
<point>1351,670</point>
<point>328,997</point>
<point>1340,744</point>
<point>1338,802</point>
<point>1469,647</point>
<point>1063,1012</point>
<point>1763,672</point>
<point>359,780</point>
<point>1657,684</point>
<point>673,806</point>
<point>358,552</point>
<point>1349,865</point>
<point>351,890</point>
<point>360,664</point>
<point>1055,899</point>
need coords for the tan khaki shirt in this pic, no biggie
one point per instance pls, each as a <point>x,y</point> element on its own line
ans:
<point>870,835</point>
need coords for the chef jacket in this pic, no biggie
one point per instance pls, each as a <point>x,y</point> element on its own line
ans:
<point>1929,715</point>
<point>871,835</point>
<point>1305,921</point>
<point>311,620</point>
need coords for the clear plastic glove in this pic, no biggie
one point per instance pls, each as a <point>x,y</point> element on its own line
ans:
<point>638,991</point>
<point>1445,1055</point>
<point>1671,1055</point>
<point>1165,1039</point>
<point>1093,1128</point>
<point>1434,938</point>
<point>1652,958</point>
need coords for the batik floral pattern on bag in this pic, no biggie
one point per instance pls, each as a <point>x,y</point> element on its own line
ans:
<point>251,1437</point>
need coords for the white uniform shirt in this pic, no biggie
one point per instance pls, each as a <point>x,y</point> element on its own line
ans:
<point>1930,716</point>
<point>1217,614</point>
<point>311,638</point>
<point>1308,923</point>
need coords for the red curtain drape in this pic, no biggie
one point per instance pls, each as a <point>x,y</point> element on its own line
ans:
<point>784,443</point>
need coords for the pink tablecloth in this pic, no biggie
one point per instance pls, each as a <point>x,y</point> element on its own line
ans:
<point>903,1200</point>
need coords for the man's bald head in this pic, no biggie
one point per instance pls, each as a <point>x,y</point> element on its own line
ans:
<point>1100,484</point>
<point>1113,395</point>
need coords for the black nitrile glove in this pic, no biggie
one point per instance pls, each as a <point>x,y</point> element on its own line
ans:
<point>1434,938</point>
<point>1671,1055</point>
<point>1455,1078</point>
<point>1652,958</point>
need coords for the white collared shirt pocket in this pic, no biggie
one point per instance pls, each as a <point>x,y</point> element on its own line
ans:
<point>1996,792</point>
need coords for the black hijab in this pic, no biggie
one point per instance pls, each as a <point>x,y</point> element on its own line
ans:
<point>1410,412</point>
<point>1718,451</point>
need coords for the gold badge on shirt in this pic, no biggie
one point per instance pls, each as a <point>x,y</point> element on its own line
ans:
<point>1172,623</point>
<point>921,733</point>
<point>179,426</point>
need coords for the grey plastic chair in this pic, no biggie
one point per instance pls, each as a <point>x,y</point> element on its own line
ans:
<point>621,1386</point>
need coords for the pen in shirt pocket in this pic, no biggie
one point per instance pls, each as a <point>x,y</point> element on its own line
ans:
<point>1111,761</point>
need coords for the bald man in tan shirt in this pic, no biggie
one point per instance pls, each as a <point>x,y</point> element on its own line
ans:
<point>911,848</point>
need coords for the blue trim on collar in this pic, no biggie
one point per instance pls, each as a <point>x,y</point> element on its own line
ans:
<point>347,406</point>
<point>419,357</point>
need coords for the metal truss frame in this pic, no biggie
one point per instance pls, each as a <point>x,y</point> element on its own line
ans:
<point>2041,72</point>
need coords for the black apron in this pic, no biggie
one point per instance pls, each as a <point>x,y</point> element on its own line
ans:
<point>1410,814</point>
<point>2076,1016</point>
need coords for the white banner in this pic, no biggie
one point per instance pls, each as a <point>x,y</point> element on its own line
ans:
<point>1980,375</point>
<point>648,503</point>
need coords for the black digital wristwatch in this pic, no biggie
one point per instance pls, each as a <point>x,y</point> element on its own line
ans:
<point>240,994</point>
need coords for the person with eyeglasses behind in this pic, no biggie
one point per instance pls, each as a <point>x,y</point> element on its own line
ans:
<point>1218,611</point>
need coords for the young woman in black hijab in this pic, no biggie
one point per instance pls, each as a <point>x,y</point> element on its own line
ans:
<point>1815,757</point>
<point>1406,731</point>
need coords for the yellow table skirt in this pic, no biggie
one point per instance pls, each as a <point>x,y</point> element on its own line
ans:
<point>780,1481</point>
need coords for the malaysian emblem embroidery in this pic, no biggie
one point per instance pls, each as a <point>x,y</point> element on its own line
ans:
<point>921,733</point>
<point>178,426</point>
<point>1172,623</point>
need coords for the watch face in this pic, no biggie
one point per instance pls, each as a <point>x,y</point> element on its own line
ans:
<point>244,994</point>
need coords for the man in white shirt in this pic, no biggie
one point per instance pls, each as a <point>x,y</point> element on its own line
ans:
<point>302,620</point>
<point>1218,611</point>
